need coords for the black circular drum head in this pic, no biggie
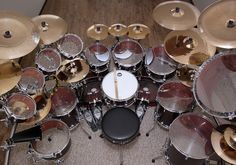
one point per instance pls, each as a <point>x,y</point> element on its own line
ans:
<point>120,125</point>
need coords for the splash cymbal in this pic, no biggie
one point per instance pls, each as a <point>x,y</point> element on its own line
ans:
<point>188,47</point>
<point>230,137</point>
<point>176,15</point>
<point>97,32</point>
<point>138,31</point>
<point>219,28</point>
<point>51,27</point>
<point>19,35</point>
<point>118,30</point>
<point>10,75</point>
<point>222,148</point>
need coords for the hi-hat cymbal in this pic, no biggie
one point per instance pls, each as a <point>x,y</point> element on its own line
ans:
<point>19,35</point>
<point>219,28</point>
<point>118,30</point>
<point>230,137</point>
<point>51,27</point>
<point>176,15</point>
<point>97,32</point>
<point>138,31</point>
<point>222,148</point>
<point>10,75</point>
<point>188,47</point>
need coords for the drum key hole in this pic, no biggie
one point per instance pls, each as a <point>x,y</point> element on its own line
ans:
<point>7,34</point>
<point>231,23</point>
<point>44,26</point>
<point>177,12</point>
<point>119,74</point>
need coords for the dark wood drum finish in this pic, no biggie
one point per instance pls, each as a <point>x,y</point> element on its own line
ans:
<point>120,125</point>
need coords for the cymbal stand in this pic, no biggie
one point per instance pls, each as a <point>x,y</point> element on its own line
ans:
<point>155,117</point>
<point>163,150</point>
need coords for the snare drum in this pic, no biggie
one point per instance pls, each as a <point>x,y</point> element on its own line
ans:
<point>48,60</point>
<point>120,88</point>
<point>158,65</point>
<point>174,98</point>
<point>98,57</point>
<point>32,81</point>
<point>70,45</point>
<point>55,141</point>
<point>128,55</point>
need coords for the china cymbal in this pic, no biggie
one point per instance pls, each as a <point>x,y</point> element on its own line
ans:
<point>19,35</point>
<point>10,75</point>
<point>51,27</point>
<point>176,15</point>
<point>188,47</point>
<point>138,31</point>
<point>219,28</point>
<point>118,30</point>
<point>221,147</point>
<point>73,70</point>
<point>97,32</point>
<point>230,137</point>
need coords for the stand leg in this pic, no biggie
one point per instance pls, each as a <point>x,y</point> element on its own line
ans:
<point>163,149</point>
<point>154,119</point>
<point>121,155</point>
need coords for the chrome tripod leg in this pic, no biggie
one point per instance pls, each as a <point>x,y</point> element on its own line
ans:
<point>154,119</point>
<point>121,155</point>
<point>163,150</point>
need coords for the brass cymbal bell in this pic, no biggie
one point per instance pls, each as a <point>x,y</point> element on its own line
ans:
<point>10,75</point>
<point>118,30</point>
<point>176,15</point>
<point>221,147</point>
<point>219,30</point>
<point>138,31</point>
<point>98,32</point>
<point>51,27</point>
<point>230,137</point>
<point>19,35</point>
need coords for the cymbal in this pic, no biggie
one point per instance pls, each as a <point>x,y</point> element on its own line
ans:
<point>10,75</point>
<point>138,31</point>
<point>97,32</point>
<point>118,30</point>
<point>73,70</point>
<point>51,27</point>
<point>230,137</point>
<point>44,105</point>
<point>176,15</point>
<point>19,35</point>
<point>188,47</point>
<point>221,147</point>
<point>219,30</point>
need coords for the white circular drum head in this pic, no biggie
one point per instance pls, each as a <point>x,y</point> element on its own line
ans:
<point>120,85</point>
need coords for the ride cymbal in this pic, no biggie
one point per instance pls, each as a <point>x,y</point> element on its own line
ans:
<point>10,75</point>
<point>230,137</point>
<point>138,31</point>
<point>19,35</point>
<point>118,30</point>
<point>97,32</point>
<point>176,15</point>
<point>222,148</point>
<point>219,29</point>
<point>188,47</point>
<point>51,27</point>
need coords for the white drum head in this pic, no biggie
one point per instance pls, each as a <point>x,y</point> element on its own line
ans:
<point>124,83</point>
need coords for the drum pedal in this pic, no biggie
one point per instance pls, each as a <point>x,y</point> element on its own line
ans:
<point>90,120</point>
<point>97,113</point>
<point>141,110</point>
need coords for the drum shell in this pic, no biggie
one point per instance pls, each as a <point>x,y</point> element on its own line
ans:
<point>158,77</point>
<point>121,103</point>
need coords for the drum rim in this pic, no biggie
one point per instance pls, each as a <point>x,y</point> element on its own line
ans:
<point>41,66</point>
<point>120,100</point>
<point>65,53</point>
<point>52,155</point>
<point>186,114</point>
<point>197,99</point>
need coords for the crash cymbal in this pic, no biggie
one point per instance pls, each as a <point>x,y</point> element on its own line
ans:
<point>138,31</point>
<point>222,148</point>
<point>19,35</point>
<point>176,15</point>
<point>188,47</point>
<point>51,27</point>
<point>97,32</point>
<point>10,75</point>
<point>73,70</point>
<point>230,137</point>
<point>118,30</point>
<point>219,28</point>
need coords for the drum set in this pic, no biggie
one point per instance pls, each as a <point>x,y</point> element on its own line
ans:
<point>112,86</point>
